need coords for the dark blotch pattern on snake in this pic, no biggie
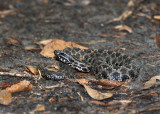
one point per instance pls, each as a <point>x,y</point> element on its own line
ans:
<point>106,64</point>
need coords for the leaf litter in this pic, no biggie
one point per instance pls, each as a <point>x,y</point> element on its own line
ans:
<point>96,94</point>
<point>56,44</point>
<point>6,94</point>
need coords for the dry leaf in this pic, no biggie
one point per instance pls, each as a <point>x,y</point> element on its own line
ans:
<point>5,97</point>
<point>21,86</point>
<point>154,81</point>
<point>44,42</point>
<point>157,40</point>
<point>32,69</point>
<point>56,44</point>
<point>157,17</point>
<point>111,83</point>
<point>97,94</point>
<point>123,27</point>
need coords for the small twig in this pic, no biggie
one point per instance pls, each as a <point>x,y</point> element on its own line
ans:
<point>17,74</point>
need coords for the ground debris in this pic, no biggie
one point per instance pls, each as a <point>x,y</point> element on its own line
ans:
<point>56,44</point>
<point>6,94</point>
<point>96,94</point>
<point>154,81</point>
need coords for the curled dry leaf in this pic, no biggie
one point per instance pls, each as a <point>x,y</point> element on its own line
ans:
<point>5,97</point>
<point>123,27</point>
<point>157,40</point>
<point>21,86</point>
<point>56,44</point>
<point>44,42</point>
<point>154,81</point>
<point>32,69</point>
<point>111,83</point>
<point>97,94</point>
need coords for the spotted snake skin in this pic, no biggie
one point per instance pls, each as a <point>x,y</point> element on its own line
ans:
<point>104,64</point>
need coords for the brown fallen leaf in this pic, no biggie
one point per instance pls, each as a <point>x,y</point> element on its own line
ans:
<point>56,44</point>
<point>154,81</point>
<point>32,69</point>
<point>96,94</point>
<point>111,83</point>
<point>123,27</point>
<point>5,97</point>
<point>21,86</point>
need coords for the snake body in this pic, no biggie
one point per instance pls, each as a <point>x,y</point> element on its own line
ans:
<point>105,64</point>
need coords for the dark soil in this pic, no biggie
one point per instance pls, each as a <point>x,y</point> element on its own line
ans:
<point>71,20</point>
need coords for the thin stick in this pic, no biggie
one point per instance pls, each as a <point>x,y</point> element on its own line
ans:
<point>20,74</point>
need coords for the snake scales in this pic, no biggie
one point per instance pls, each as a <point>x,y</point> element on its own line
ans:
<point>106,64</point>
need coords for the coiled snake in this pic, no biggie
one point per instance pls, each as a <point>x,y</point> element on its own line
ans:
<point>107,64</point>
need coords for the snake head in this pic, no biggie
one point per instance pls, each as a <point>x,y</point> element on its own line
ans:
<point>63,57</point>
